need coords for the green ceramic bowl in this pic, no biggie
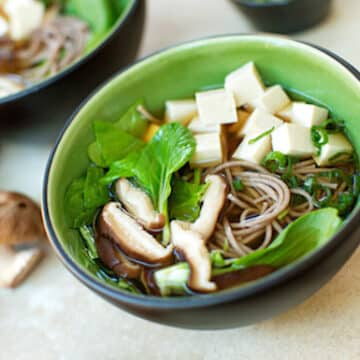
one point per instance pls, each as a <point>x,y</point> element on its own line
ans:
<point>177,73</point>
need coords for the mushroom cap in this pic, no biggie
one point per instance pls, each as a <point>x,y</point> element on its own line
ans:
<point>131,238</point>
<point>20,219</point>
<point>192,246</point>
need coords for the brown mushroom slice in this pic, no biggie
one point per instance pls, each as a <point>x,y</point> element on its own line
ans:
<point>132,239</point>
<point>213,202</point>
<point>138,204</point>
<point>15,266</point>
<point>20,219</point>
<point>113,258</point>
<point>191,245</point>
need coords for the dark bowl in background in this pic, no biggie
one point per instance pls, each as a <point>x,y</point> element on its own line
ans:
<point>56,98</point>
<point>286,17</point>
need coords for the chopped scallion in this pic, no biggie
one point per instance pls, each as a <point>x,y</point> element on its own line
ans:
<point>274,161</point>
<point>238,185</point>
<point>262,135</point>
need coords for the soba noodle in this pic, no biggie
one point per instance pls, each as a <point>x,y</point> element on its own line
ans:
<point>254,215</point>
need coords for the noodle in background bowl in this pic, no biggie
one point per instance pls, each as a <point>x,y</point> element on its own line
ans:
<point>55,98</point>
<point>177,73</point>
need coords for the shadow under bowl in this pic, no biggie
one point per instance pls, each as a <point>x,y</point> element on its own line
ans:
<point>55,98</point>
<point>285,17</point>
<point>179,72</point>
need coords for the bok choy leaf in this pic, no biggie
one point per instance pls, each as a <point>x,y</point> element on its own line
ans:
<point>152,167</point>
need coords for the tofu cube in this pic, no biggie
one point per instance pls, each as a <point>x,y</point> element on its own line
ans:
<point>246,84</point>
<point>337,144</point>
<point>253,152</point>
<point>286,113</point>
<point>198,127</point>
<point>216,107</point>
<point>293,139</point>
<point>24,17</point>
<point>208,150</point>
<point>260,121</point>
<point>308,115</point>
<point>273,100</point>
<point>181,111</point>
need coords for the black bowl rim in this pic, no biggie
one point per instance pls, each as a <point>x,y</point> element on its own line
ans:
<point>251,4</point>
<point>159,303</point>
<point>68,70</point>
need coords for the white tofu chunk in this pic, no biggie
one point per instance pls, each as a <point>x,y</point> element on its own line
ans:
<point>293,139</point>
<point>286,113</point>
<point>337,145</point>
<point>181,111</point>
<point>24,17</point>
<point>198,127</point>
<point>216,107</point>
<point>246,84</point>
<point>4,26</point>
<point>208,150</point>
<point>308,115</point>
<point>273,100</point>
<point>253,152</point>
<point>260,121</point>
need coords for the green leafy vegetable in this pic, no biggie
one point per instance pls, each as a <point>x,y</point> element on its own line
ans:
<point>298,239</point>
<point>95,193</point>
<point>111,144</point>
<point>99,14</point>
<point>76,212</point>
<point>132,125</point>
<point>185,198</point>
<point>262,135</point>
<point>84,196</point>
<point>88,236</point>
<point>168,151</point>
<point>133,121</point>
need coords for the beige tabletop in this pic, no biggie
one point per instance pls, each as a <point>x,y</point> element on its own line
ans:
<point>53,316</point>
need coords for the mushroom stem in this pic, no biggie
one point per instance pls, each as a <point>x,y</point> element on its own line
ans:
<point>16,265</point>
<point>213,202</point>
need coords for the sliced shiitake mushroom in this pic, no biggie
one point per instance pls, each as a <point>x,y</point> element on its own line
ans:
<point>112,257</point>
<point>131,238</point>
<point>139,205</point>
<point>192,246</point>
<point>213,202</point>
